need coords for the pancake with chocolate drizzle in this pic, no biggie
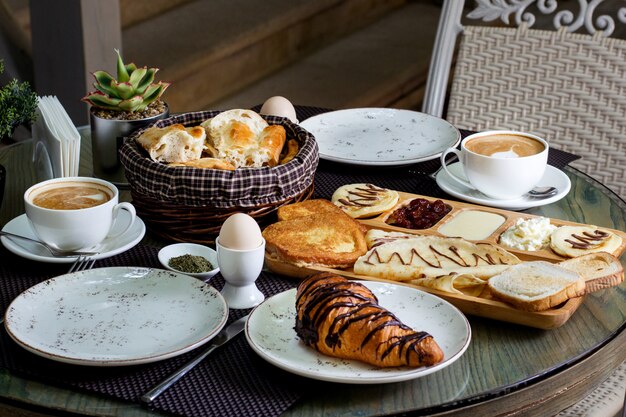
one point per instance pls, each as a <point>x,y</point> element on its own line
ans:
<point>573,241</point>
<point>364,200</point>
<point>342,318</point>
<point>403,257</point>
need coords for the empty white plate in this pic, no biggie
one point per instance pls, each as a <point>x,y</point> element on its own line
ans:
<point>116,316</point>
<point>380,136</point>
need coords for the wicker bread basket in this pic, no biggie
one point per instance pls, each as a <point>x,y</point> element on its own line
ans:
<point>189,204</point>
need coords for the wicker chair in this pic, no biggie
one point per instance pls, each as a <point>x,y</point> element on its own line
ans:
<point>567,87</point>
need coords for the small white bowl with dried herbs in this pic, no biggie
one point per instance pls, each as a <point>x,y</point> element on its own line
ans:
<point>195,260</point>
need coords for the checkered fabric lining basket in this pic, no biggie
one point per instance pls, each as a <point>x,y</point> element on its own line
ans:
<point>188,204</point>
<point>244,187</point>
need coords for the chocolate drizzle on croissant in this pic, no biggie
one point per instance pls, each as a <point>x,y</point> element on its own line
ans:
<point>342,318</point>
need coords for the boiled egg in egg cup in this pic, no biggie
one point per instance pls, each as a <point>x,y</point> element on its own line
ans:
<point>240,254</point>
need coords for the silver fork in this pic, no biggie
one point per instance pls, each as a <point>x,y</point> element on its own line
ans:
<point>82,263</point>
<point>53,251</point>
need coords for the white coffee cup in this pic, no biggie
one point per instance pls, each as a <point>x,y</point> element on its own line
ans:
<point>64,219</point>
<point>501,164</point>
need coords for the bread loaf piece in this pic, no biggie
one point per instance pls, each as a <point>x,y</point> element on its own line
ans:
<point>342,318</point>
<point>536,286</point>
<point>599,270</point>
<point>173,143</point>
<point>244,139</point>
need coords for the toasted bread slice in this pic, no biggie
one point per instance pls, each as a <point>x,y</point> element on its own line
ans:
<point>599,270</point>
<point>324,239</point>
<point>536,286</point>
<point>307,208</point>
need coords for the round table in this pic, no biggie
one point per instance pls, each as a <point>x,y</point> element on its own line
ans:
<point>508,369</point>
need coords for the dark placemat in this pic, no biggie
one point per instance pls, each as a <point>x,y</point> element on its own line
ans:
<point>232,381</point>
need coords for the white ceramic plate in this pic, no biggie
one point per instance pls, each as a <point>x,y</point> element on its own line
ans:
<point>180,249</point>
<point>552,177</point>
<point>116,316</point>
<point>380,136</point>
<point>270,333</point>
<point>107,248</point>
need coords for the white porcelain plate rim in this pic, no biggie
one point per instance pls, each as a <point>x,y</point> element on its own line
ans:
<point>116,316</point>
<point>380,136</point>
<point>270,333</point>
<point>552,177</point>
<point>109,247</point>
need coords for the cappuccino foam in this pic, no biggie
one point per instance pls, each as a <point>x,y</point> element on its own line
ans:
<point>505,146</point>
<point>71,195</point>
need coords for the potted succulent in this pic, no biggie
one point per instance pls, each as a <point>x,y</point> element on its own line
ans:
<point>18,104</point>
<point>118,108</point>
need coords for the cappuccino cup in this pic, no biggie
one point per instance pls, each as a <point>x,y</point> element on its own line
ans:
<point>501,164</point>
<point>73,213</point>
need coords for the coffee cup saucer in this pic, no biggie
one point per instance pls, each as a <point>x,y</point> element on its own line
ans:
<point>107,248</point>
<point>552,177</point>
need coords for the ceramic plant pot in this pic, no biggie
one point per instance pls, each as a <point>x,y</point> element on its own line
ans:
<point>107,136</point>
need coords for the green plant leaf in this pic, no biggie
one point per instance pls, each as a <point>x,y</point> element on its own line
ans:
<point>137,76</point>
<point>132,104</point>
<point>154,92</point>
<point>124,90</point>
<point>146,81</point>
<point>130,67</point>
<point>122,73</point>
<point>102,101</point>
<point>103,78</point>
<point>103,83</point>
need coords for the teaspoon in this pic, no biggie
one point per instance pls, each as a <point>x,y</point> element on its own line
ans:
<point>542,192</point>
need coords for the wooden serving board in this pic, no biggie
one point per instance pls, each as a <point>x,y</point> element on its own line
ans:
<point>477,306</point>
<point>510,218</point>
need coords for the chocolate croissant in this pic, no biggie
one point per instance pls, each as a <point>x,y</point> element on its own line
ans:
<point>342,318</point>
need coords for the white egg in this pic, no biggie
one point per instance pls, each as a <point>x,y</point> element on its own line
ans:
<point>240,232</point>
<point>279,106</point>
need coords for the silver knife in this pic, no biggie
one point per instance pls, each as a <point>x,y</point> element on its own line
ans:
<point>222,337</point>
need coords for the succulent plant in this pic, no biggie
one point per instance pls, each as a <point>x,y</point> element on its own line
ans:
<point>133,90</point>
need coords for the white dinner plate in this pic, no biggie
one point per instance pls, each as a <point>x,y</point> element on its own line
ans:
<point>116,316</point>
<point>552,177</point>
<point>380,136</point>
<point>107,248</point>
<point>270,332</point>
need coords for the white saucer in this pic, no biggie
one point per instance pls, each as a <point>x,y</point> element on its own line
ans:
<point>107,248</point>
<point>552,177</point>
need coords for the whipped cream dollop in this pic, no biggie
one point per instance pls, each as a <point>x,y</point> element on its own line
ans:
<point>528,234</point>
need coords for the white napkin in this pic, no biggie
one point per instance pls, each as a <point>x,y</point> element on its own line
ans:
<point>56,148</point>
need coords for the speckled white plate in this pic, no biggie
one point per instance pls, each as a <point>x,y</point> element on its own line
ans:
<point>116,316</point>
<point>270,333</point>
<point>107,248</point>
<point>552,176</point>
<point>380,136</point>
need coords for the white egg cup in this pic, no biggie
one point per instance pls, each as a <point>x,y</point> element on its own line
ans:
<point>240,269</point>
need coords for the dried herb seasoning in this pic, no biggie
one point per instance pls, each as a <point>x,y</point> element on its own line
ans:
<point>192,264</point>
